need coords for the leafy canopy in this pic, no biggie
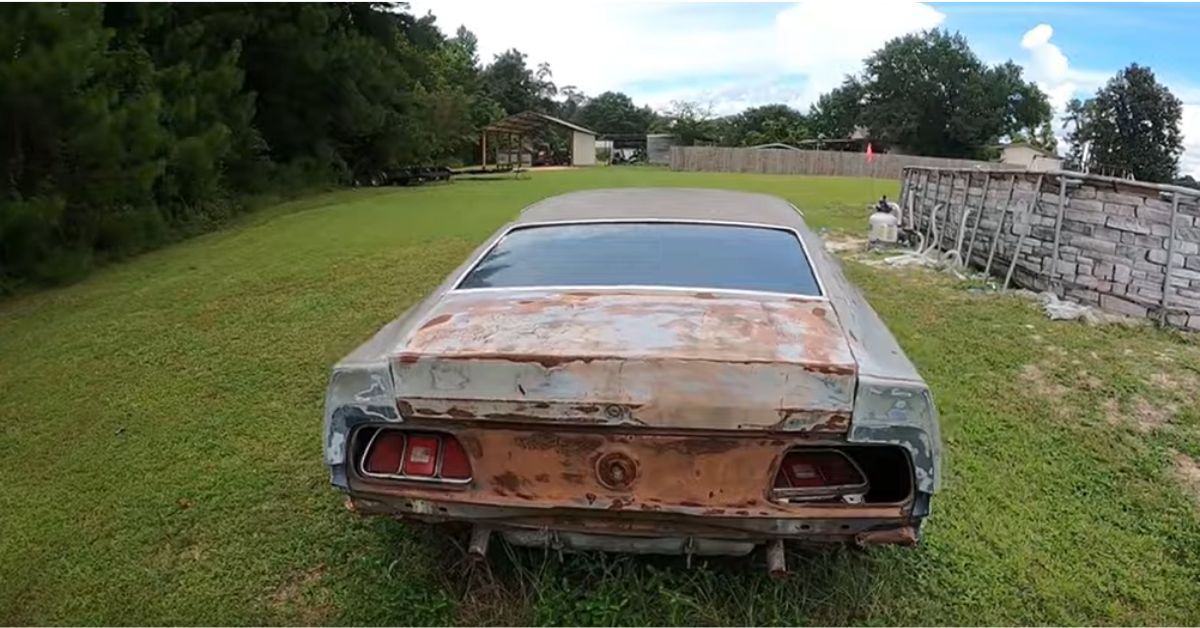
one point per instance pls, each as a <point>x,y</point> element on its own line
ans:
<point>929,94</point>
<point>1131,127</point>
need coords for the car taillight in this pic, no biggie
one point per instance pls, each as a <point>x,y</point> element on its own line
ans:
<point>819,474</point>
<point>455,465</point>
<point>396,454</point>
<point>387,452</point>
<point>420,457</point>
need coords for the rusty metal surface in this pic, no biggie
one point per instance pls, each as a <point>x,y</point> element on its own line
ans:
<point>843,357</point>
<point>583,542</point>
<point>699,475</point>
<point>838,524</point>
<point>644,357</point>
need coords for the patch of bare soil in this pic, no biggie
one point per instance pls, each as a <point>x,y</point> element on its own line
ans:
<point>1043,386</point>
<point>1112,412</point>
<point>1148,417</point>
<point>1142,415</point>
<point>1175,382</point>
<point>845,244</point>
<point>293,599</point>
<point>1187,471</point>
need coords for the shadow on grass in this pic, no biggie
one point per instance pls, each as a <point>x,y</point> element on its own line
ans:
<point>520,586</point>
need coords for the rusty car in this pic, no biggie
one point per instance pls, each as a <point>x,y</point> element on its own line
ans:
<point>641,370</point>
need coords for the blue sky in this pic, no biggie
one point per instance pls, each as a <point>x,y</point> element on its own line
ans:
<point>731,56</point>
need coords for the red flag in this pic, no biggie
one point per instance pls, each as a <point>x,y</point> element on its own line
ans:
<point>870,153</point>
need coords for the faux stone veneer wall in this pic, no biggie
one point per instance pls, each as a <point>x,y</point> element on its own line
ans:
<point>1126,247</point>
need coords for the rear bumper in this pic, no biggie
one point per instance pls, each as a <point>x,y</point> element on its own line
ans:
<point>637,532</point>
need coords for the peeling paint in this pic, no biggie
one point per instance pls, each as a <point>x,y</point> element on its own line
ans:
<point>704,474</point>
<point>696,393</point>
<point>645,359</point>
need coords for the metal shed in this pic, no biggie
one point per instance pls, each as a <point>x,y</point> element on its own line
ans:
<point>658,147</point>
<point>520,125</point>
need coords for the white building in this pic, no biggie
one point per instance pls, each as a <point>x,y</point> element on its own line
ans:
<point>1029,157</point>
<point>517,127</point>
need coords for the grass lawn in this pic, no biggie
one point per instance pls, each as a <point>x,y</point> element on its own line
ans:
<point>160,427</point>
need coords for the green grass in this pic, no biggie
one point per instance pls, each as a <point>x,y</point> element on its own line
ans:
<point>160,427</point>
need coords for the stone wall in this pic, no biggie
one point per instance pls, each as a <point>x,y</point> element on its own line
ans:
<point>1127,247</point>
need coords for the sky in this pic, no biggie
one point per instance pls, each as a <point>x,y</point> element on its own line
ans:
<point>733,56</point>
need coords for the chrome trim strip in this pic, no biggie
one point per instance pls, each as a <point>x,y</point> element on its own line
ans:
<point>647,288</point>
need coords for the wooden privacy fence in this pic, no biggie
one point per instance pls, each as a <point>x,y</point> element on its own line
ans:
<point>809,162</point>
<point>1124,246</point>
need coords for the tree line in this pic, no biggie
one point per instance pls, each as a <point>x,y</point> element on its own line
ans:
<point>929,94</point>
<point>126,126</point>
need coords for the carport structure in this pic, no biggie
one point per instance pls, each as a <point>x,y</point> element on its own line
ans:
<point>521,125</point>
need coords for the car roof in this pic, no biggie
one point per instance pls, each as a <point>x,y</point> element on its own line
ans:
<point>685,204</point>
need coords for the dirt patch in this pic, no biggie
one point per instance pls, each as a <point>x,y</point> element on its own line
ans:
<point>1140,414</point>
<point>1112,412</point>
<point>1187,471</point>
<point>1176,382</point>
<point>1089,381</point>
<point>297,598</point>
<point>1036,381</point>
<point>1039,381</point>
<point>1148,417</point>
<point>843,244</point>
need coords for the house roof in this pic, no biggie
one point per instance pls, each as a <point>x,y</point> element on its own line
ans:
<point>1040,151</point>
<point>529,121</point>
<point>776,145</point>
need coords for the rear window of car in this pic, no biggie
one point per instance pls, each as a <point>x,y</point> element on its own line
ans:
<point>685,255</point>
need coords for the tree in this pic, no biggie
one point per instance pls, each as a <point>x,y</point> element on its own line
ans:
<point>690,121</point>
<point>837,114</point>
<point>515,87</point>
<point>1188,181</point>
<point>1042,138</point>
<point>126,125</point>
<point>929,94</point>
<point>765,125</point>
<point>573,100</point>
<point>614,112</point>
<point>1073,121</point>
<point>1130,127</point>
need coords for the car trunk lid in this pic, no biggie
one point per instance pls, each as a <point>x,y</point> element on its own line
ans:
<point>670,359</point>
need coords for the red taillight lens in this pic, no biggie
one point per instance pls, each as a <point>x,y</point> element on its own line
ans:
<point>415,456</point>
<point>385,453</point>
<point>455,465</point>
<point>818,474</point>
<point>420,459</point>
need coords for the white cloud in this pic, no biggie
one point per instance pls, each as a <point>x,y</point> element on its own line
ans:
<point>827,40</point>
<point>1190,162</point>
<point>1048,66</point>
<point>660,52</point>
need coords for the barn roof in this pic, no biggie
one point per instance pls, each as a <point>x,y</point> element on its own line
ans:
<point>529,121</point>
<point>1022,144</point>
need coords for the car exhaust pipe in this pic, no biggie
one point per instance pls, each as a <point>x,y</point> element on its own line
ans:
<point>776,559</point>
<point>478,546</point>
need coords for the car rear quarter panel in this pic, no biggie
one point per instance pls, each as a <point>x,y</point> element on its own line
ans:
<point>893,405</point>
